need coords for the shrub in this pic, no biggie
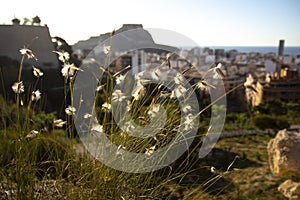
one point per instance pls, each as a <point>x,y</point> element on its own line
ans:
<point>263,121</point>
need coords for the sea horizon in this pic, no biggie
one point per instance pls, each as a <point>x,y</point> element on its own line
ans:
<point>288,50</point>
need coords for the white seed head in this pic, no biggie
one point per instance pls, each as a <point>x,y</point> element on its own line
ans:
<point>18,87</point>
<point>106,49</point>
<point>59,123</point>
<point>118,96</point>
<point>70,110</point>
<point>28,53</point>
<point>37,72</point>
<point>35,95</point>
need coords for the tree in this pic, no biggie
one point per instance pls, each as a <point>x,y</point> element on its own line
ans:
<point>36,20</point>
<point>25,21</point>
<point>15,21</point>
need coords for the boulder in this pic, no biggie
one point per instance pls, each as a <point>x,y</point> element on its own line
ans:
<point>290,189</point>
<point>284,154</point>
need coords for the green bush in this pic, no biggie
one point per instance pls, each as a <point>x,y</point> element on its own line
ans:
<point>263,121</point>
<point>34,119</point>
<point>271,107</point>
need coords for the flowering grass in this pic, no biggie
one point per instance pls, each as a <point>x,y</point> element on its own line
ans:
<point>36,148</point>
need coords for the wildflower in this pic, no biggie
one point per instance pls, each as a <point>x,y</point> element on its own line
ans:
<point>188,122</point>
<point>154,110</point>
<point>213,170</point>
<point>81,99</point>
<point>141,79</point>
<point>99,88</point>
<point>87,115</point>
<point>128,127</point>
<point>150,150</point>
<point>139,76</point>
<point>70,110</point>
<point>203,85</point>
<point>178,79</point>
<point>63,56</point>
<point>189,118</point>
<point>178,92</point>
<point>28,53</point>
<point>118,95</point>
<point>97,130</point>
<point>138,91</point>
<point>218,72</point>
<point>18,87</point>
<point>37,72</point>
<point>120,79</point>
<point>59,123</point>
<point>69,69</point>
<point>32,134</point>
<point>106,107</point>
<point>36,95</point>
<point>186,108</point>
<point>106,49</point>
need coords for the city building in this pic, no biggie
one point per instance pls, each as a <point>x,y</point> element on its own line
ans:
<point>131,45</point>
<point>284,87</point>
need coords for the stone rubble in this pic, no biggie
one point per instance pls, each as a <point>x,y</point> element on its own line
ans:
<point>284,160</point>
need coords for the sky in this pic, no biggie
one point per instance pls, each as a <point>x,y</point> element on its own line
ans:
<point>206,22</point>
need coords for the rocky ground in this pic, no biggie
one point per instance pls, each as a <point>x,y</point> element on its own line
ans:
<point>249,176</point>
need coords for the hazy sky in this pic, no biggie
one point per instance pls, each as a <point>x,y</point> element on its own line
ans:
<point>207,22</point>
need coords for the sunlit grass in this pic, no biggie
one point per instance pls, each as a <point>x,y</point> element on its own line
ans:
<point>37,147</point>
